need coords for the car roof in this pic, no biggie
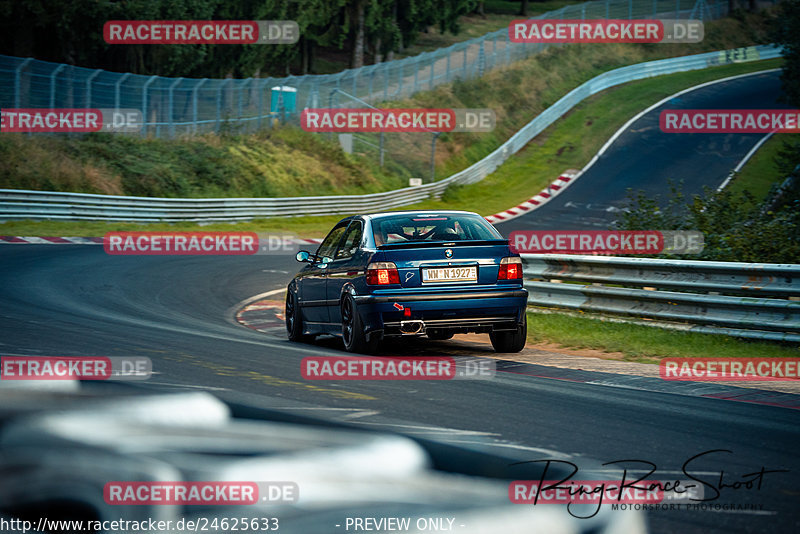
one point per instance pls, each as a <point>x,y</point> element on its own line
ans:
<point>417,212</point>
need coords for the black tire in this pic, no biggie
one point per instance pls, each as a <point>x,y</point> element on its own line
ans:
<point>353,335</point>
<point>294,319</point>
<point>439,334</point>
<point>513,341</point>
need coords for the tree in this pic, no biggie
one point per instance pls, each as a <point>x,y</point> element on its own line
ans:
<point>523,8</point>
<point>735,226</point>
<point>787,34</point>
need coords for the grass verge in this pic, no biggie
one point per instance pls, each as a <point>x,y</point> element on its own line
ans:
<point>569,143</point>
<point>762,170</point>
<point>645,344</point>
<point>575,139</point>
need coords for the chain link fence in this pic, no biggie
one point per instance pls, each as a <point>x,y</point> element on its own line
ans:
<point>181,106</point>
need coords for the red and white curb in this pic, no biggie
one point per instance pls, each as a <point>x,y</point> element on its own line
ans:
<point>263,315</point>
<point>17,240</point>
<point>556,187</point>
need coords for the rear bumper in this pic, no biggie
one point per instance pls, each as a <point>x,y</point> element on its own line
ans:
<point>462,311</point>
<point>428,296</point>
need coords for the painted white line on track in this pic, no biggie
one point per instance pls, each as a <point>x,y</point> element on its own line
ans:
<point>660,103</point>
<point>744,161</point>
<point>503,216</point>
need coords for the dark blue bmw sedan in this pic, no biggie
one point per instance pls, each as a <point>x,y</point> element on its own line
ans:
<point>409,273</point>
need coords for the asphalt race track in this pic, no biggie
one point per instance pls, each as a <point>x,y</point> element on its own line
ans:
<point>74,300</point>
<point>644,158</point>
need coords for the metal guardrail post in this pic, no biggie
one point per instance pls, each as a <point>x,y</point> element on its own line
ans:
<point>241,96</point>
<point>371,80</point>
<point>433,156</point>
<point>261,93</point>
<point>89,87</point>
<point>170,106</point>
<point>53,85</point>
<point>144,103</point>
<point>18,82</point>
<point>380,147</point>
<point>281,105</point>
<point>194,103</point>
<point>400,80</point>
<point>330,105</point>
<point>219,102</point>
<point>117,89</point>
<point>481,59</point>
<point>386,81</point>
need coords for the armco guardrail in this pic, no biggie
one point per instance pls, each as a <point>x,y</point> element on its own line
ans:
<point>186,106</point>
<point>752,300</point>
<point>36,205</point>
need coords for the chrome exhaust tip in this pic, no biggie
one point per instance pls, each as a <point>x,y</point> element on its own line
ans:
<point>412,327</point>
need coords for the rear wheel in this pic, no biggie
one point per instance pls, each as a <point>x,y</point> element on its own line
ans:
<point>439,334</point>
<point>513,341</point>
<point>353,335</point>
<point>294,319</point>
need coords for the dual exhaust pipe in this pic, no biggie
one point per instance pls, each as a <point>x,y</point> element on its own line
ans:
<point>412,327</point>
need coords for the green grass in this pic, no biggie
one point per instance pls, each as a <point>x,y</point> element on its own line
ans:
<point>761,171</point>
<point>570,143</point>
<point>574,140</point>
<point>300,226</point>
<point>285,161</point>
<point>645,344</point>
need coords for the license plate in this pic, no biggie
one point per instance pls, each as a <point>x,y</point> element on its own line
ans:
<point>450,274</point>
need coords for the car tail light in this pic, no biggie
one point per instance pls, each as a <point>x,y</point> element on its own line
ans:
<point>510,269</point>
<point>382,273</point>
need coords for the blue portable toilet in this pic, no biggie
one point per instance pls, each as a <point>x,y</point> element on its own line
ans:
<point>289,95</point>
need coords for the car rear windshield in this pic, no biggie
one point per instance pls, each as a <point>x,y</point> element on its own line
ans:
<point>431,227</point>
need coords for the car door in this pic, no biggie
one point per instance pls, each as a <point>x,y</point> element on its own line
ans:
<point>346,265</point>
<point>312,294</point>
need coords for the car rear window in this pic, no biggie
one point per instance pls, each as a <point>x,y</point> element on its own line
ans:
<point>431,227</point>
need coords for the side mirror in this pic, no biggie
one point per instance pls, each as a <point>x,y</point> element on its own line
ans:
<point>302,256</point>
